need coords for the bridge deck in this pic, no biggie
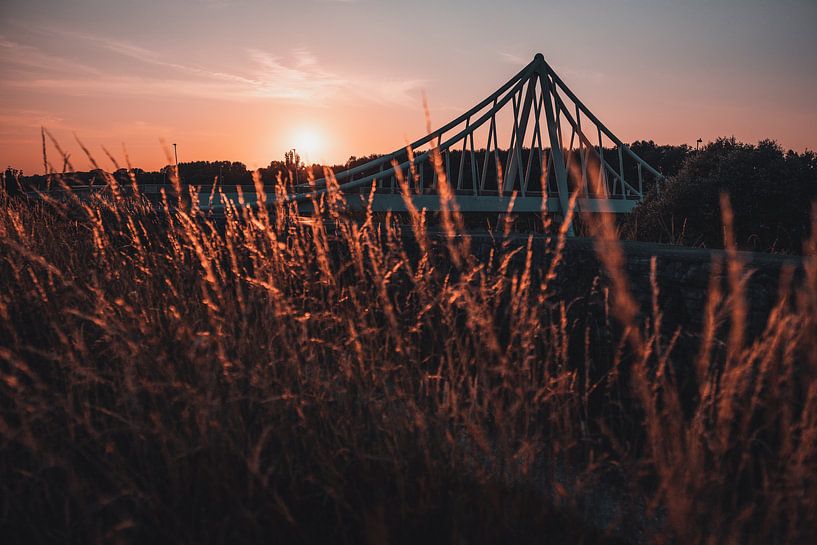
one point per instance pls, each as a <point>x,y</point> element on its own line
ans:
<point>466,203</point>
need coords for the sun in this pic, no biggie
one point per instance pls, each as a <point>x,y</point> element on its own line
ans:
<point>308,143</point>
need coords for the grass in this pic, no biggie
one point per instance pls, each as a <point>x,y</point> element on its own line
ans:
<point>272,378</point>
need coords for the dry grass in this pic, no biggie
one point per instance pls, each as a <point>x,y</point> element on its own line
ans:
<point>279,378</point>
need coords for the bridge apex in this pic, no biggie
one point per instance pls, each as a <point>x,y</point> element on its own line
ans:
<point>538,58</point>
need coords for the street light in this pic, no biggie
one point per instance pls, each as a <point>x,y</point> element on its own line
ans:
<point>176,156</point>
<point>696,144</point>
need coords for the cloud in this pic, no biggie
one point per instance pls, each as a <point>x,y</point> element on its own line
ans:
<point>22,126</point>
<point>20,57</point>
<point>297,76</point>
<point>510,58</point>
<point>306,80</point>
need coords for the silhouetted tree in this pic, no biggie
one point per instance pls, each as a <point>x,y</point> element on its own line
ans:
<point>292,160</point>
<point>11,181</point>
<point>770,191</point>
<point>202,173</point>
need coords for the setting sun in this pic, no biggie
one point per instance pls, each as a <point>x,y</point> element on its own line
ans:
<point>308,141</point>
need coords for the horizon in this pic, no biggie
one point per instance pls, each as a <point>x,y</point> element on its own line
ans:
<point>523,305</point>
<point>222,81</point>
<point>364,157</point>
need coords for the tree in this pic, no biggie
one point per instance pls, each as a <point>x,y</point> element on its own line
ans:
<point>770,191</point>
<point>11,181</point>
<point>292,160</point>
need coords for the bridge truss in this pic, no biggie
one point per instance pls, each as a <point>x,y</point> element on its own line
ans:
<point>556,146</point>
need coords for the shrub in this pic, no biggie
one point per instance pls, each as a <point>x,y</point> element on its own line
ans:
<point>770,191</point>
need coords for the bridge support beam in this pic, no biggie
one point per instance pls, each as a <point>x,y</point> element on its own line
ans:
<point>555,146</point>
<point>519,138</point>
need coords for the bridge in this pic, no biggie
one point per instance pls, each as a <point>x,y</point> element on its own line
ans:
<point>526,148</point>
<point>555,146</point>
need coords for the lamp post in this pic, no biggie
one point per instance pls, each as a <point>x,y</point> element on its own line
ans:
<point>176,158</point>
<point>295,164</point>
<point>697,142</point>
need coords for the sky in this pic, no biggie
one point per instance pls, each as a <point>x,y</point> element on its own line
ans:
<point>246,80</point>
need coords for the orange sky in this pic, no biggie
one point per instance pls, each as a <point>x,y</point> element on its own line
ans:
<point>246,80</point>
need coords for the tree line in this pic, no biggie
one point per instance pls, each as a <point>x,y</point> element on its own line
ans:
<point>771,190</point>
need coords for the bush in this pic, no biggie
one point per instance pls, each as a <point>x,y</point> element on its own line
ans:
<point>771,193</point>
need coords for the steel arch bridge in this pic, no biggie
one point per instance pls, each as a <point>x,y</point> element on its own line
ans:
<point>556,146</point>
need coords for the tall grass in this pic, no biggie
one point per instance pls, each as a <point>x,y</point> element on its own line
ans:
<point>279,378</point>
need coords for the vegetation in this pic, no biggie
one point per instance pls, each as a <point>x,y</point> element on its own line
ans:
<point>166,378</point>
<point>771,192</point>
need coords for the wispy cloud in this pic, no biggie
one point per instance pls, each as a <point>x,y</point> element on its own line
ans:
<point>511,58</point>
<point>305,79</point>
<point>297,76</point>
<point>22,126</point>
<point>19,57</point>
